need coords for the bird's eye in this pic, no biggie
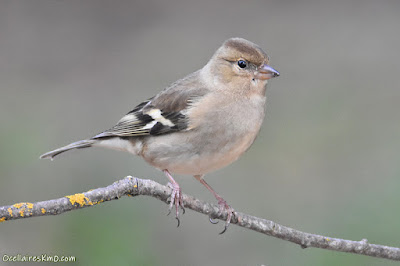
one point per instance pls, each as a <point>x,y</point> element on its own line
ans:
<point>242,63</point>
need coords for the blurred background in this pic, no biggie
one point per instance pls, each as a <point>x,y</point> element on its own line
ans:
<point>326,160</point>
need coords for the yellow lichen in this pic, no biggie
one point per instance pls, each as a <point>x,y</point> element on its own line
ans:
<point>23,206</point>
<point>43,210</point>
<point>2,219</point>
<point>97,202</point>
<point>10,212</point>
<point>80,199</point>
<point>18,205</point>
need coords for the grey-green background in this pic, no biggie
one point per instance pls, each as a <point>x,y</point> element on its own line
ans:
<point>326,160</point>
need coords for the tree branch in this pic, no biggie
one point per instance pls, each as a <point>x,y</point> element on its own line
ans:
<point>130,186</point>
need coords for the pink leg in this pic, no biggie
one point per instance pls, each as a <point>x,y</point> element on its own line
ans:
<point>176,196</point>
<point>221,202</point>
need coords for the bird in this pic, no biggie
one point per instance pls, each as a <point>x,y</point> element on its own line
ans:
<point>198,124</point>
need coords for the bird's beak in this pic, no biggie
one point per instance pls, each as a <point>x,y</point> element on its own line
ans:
<point>265,72</point>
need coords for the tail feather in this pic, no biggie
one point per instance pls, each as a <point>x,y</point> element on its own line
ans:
<point>75,145</point>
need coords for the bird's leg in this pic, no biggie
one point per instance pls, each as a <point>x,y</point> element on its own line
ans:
<point>176,196</point>
<point>221,202</point>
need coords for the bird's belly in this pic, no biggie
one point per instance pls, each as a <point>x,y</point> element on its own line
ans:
<point>180,155</point>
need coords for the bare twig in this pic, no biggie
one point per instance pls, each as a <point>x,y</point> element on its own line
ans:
<point>131,186</point>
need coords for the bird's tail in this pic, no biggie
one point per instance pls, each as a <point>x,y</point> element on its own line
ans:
<point>75,145</point>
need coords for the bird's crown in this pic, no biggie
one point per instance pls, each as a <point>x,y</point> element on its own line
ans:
<point>234,49</point>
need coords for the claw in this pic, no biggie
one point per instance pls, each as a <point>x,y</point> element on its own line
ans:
<point>179,222</point>
<point>181,203</point>
<point>225,228</point>
<point>213,222</point>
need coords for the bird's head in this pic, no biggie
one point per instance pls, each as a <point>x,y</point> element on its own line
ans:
<point>240,63</point>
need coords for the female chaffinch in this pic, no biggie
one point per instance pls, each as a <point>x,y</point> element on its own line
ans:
<point>200,123</point>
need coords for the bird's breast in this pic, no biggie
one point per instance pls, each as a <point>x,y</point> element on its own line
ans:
<point>215,142</point>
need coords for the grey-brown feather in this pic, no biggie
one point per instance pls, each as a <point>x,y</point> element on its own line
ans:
<point>75,145</point>
<point>172,102</point>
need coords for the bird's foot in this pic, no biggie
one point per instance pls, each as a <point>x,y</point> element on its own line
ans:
<point>175,198</point>
<point>223,206</point>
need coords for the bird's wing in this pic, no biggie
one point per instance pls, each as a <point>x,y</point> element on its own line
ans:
<point>162,114</point>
